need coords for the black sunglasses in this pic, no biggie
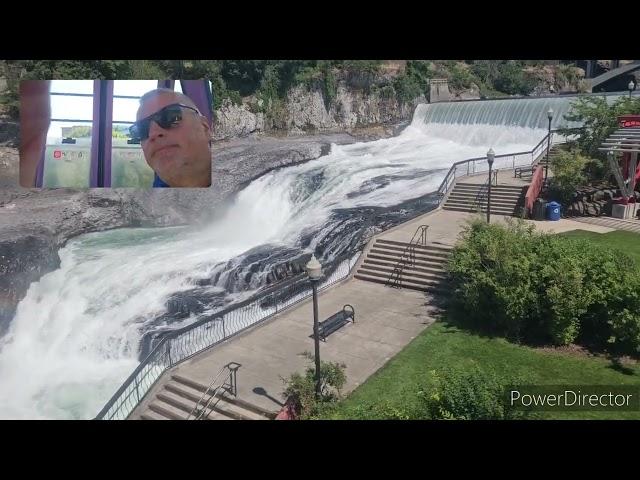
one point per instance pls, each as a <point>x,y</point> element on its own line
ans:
<point>167,117</point>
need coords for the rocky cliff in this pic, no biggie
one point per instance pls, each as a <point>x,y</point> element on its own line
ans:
<point>307,110</point>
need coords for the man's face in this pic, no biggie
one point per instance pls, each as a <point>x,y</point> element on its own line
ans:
<point>180,154</point>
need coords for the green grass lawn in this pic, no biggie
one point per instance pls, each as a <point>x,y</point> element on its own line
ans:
<point>444,345</point>
<point>627,242</point>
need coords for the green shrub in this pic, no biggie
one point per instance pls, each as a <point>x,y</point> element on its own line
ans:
<point>458,394</point>
<point>380,411</point>
<point>568,174</point>
<point>301,388</point>
<point>536,288</point>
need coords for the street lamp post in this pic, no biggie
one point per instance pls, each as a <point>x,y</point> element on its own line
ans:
<point>631,87</point>
<point>546,165</point>
<point>314,269</point>
<point>490,158</point>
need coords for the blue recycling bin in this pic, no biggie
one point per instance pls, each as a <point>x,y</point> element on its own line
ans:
<point>553,211</point>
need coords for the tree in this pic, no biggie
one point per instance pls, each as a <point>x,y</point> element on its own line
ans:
<point>568,174</point>
<point>599,119</point>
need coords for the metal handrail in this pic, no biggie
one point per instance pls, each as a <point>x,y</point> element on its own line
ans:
<point>395,279</point>
<point>470,165</point>
<point>233,368</point>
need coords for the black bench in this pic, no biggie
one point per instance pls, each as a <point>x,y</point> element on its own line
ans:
<point>518,171</point>
<point>335,321</point>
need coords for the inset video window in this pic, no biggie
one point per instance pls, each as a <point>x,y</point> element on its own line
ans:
<point>116,134</point>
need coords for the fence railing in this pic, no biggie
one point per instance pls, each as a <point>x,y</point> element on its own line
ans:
<point>473,166</point>
<point>182,344</point>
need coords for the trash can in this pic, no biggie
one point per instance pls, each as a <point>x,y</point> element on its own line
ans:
<point>553,211</point>
<point>539,209</point>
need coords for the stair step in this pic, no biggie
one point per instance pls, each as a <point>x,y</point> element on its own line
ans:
<point>151,415</point>
<point>396,256</point>
<point>469,210</point>
<point>493,187</point>
<point>441,247</point>
<point>179,402</point>
<point>415,281</point>
<point>483,191</point>
<point>394,259</point>
<point>504,206</point>
<point>456,201</point>
<point>167,411</point>
<point>437,289</point>
<point>223,406</point>
<point>400,250</point>
<point>235,400</point>
<point>483,199</point>
<point>406,272</point>
<point>415,267</point>
<point>176,401</point>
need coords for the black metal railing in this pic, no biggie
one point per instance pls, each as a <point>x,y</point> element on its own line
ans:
<point>472,166</point>
<point>408,256</point>
<point>180,345</point>
<point>211,396</point>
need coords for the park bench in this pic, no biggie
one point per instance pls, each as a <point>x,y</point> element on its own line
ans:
<point>335,321</point>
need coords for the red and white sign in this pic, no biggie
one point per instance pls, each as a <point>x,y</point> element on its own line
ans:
<point>628,121</point>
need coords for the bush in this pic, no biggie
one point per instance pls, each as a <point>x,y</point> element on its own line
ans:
<point>512,79</point>
<point>568,174</point>
<point>378,411</point>
<point>623,324</point>
<point>301,388</point>
<point>414,82</point>
<point>473,394</point>
<point>536,288</point>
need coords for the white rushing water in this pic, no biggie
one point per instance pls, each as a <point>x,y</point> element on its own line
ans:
<point>75,335</point>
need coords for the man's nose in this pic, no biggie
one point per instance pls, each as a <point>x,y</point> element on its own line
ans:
<point>155,130</point>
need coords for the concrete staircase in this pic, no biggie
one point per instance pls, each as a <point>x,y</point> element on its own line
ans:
<point>426,273</point>
<point>470,197</point>
<point>555,150</point>
<point>180,395</point>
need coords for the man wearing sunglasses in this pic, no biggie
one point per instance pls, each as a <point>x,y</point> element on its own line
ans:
<point>175,139</point>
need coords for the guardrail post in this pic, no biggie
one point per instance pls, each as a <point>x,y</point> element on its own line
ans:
<point>224,334</point>
<point>169,351</point>
<point>234,380</point>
